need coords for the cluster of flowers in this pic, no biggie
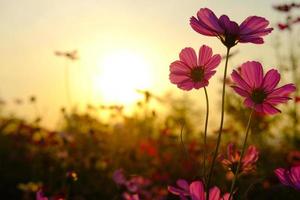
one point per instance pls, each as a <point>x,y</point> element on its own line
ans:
<point>134,187</point>
<point>259,90</point>
<point>286,7</point>
<point>71,177</point>
<point>290,20</point>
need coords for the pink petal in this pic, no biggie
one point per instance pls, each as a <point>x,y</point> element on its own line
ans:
<point>237,79</point>
<point>283,91</point>
<point>240,91</point>
<point>177,191</point>
<point>252,30</point>
<point>186,85</point>
<point>183,184</point>
<point>252,73</point>
<point>251,39</point>
<point>249,103</point>
<point>197,191</point>
<point>280,173</point>
<point>295,176</point>
<point>188,56</point>
<point>269,109</point>
<point>230,26</point>
<point>214,193</point>
<point>209,74</point>
<point>226,197</point>
<point>40,196</point>
<point>296,172</point>
<point>201,28</point>
<point>277,100</point>
<point>174,78</point>
<point>251,155</point>
<point>205,53</point>
<point>271,80</point>
<point>213,62</point>
<point>253,24</point>
<point>179,67</point>
<point>207,16</point>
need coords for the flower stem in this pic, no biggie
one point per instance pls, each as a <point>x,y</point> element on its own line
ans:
<point>241,157</point>
<point>221,127</point>
<point>205,134</point>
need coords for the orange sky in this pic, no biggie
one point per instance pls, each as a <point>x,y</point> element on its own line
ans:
<point>153,31</point>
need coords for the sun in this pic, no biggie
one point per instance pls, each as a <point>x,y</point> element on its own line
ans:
<point>121,74</point>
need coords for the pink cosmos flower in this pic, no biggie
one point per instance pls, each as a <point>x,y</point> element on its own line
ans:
<point>233,157</point>
<point>229,32</point>
<point>182,190</point>
<point>196,191</point>
<point>282,26</point>
<point>119,177</point>
<point>128,196</point>
<point>289,177</point>
<point>260,90</point>
<point>40,195</point>
<point>133,185</point>
<point>191,72</point>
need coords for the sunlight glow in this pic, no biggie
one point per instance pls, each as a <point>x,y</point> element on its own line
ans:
<point>121,73</point>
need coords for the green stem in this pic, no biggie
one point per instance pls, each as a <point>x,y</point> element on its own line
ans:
<point>242,155</point>
<point>205,134</point>
<point>221,127</point>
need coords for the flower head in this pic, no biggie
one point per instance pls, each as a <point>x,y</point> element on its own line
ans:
<point>233,157</point>
<point>119,177</point>
<point>191,72</point>
<point>134,185</point>
<point>40,195</point>
<point>260,90</point>
<point>229,32</point>
<point>128,196</point>
<point>181,190</point>
<point>196,191</point>
<point>289,177</point>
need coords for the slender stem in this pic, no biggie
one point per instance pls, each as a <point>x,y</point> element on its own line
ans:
<point>182,143</point>
<point>221,127</point>
<point>242,155</point>
<point>205,134</point>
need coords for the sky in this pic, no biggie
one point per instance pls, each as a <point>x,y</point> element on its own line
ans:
<point>117,42</point>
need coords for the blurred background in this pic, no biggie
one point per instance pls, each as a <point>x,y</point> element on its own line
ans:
<point>85,91</point>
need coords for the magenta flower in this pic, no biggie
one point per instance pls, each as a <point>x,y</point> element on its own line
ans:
<point>196,191</point>
<point>40,195</point>
<point>260,90</point>
<point>289,177</point>
<point>119,177</point>
<point>248,163</point>
<point>191,72</point>
<point>128,196</point>
<point>182,190</point>
<point>229,32</point>
<point>134,185</point>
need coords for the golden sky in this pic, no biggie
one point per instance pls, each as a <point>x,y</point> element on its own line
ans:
<point>113,38</point>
